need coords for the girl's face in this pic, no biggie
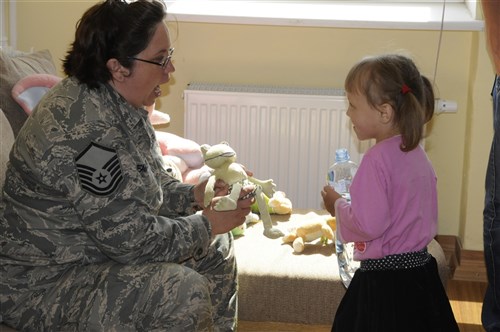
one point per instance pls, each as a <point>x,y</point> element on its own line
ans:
<point>367,121</point>
<point>145,78</point>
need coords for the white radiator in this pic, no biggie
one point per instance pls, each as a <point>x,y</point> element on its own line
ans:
<point>286,134</point>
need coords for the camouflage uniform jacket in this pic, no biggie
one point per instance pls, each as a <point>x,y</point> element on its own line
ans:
<point>86,184</point>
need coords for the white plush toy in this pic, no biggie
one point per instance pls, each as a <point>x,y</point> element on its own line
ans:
<point>221,158</point>
<point>171,166</point>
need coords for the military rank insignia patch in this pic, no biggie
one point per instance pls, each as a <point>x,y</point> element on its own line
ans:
<point>99,170</point>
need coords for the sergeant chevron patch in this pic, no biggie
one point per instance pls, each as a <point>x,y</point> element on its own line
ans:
<point>99,170</point>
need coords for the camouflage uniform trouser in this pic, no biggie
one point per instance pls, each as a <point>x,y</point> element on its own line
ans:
<point>192,296</point>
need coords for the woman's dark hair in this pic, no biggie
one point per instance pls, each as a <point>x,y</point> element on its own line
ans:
<point>111,29</point>
<point>396,80</point>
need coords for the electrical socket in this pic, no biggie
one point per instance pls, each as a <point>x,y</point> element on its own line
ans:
<point>445,106</point>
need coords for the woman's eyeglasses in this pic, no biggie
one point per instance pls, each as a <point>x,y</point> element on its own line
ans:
<point>163,63</point>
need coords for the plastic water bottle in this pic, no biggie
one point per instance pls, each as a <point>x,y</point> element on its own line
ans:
<point>341,173</point>
<point>340,176</point>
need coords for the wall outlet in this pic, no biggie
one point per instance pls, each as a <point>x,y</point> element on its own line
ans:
<point>445,106</point>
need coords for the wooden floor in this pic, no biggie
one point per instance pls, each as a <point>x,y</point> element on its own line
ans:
<point>466,299</point>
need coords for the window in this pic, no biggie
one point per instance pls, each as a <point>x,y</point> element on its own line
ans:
<point>390,14</point>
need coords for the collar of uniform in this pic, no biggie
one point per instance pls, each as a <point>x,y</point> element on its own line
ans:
<point>130,115</point>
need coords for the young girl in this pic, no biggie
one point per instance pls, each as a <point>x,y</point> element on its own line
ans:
<point>393,213</point>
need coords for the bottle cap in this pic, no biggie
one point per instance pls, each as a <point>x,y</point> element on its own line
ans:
<point>341,155</point>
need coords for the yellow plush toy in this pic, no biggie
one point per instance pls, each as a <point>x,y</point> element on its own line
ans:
<point>277,204</point>
<point>319,227</point>
<point>280,204</point>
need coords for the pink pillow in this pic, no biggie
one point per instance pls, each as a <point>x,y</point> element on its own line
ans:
<point>183,148</point>
<point>159,118</point>
<point>193,176</point>
<point>28,91</point>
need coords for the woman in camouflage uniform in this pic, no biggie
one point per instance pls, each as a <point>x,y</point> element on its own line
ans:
<point>95,236</point>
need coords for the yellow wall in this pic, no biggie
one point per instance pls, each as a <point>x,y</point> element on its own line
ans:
<point>458,144</point>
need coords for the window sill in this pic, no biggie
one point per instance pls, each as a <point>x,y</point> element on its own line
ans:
<point>366,15</point>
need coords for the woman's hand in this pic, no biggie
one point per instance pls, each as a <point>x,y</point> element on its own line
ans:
<point>224,221</point>
<point>220,189</point>
<point>330,196</point>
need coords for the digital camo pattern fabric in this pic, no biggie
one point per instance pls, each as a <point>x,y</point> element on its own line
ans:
<point>90,224</point>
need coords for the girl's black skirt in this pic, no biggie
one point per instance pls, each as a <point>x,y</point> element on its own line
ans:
<point>397,293</point>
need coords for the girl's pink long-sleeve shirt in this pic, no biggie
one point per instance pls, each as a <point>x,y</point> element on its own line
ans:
<point>394,202</point>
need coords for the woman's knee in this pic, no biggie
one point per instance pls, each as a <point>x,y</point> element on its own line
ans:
<point>149,297</point>
<point>175,298</point>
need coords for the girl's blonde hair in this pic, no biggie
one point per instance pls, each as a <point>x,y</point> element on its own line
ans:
<point>396,80</point>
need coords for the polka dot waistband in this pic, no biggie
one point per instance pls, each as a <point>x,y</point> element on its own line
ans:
<point>403,261</point>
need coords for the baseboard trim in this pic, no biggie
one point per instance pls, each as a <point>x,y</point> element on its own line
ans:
<point>465,265</point>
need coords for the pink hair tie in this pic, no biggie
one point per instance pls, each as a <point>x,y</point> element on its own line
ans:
<point>405,89</point>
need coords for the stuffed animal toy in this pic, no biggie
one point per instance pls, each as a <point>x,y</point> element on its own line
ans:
<point>171,166</point>
<point>251,218</point>
<point>318,227</point>
<point>221,158</point>
<point>278,204</point>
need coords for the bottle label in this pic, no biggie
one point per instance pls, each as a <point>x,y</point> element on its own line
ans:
<point>342,186</point>
<point>330,178</point>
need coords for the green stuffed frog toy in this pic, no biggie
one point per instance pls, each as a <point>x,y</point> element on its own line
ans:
<point>221,158</point>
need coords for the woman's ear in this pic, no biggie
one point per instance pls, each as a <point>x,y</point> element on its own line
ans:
<point>117,70</point>
<point>386,113</point>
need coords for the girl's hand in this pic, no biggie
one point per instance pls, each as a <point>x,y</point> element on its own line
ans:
<point>330,196</point>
